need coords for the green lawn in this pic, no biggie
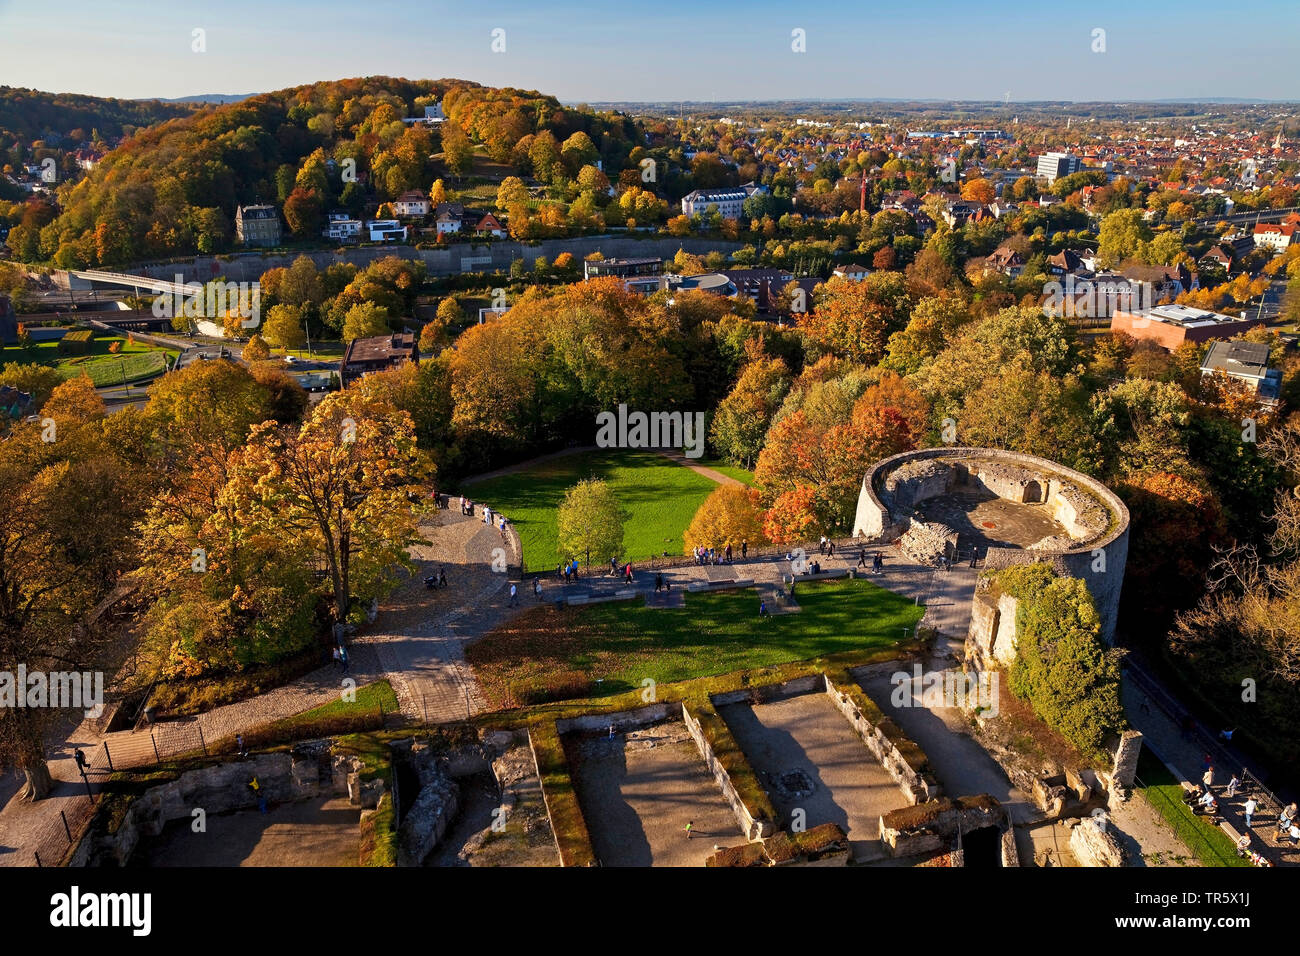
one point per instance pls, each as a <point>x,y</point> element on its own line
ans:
<point>135,361</point>
<point>563,654</point>
<point>660,496</point>
<point>727,468</point>
<point>1165,794</point>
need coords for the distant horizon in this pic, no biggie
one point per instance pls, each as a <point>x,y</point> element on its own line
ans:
<point>760,51</point>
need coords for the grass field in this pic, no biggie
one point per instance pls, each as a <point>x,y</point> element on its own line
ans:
<point>661,498</point>
<point>560,654</point>
<point>1158,786</point>
<point>133,363</point>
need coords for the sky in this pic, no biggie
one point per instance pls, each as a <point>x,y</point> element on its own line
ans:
<point>666,50</point>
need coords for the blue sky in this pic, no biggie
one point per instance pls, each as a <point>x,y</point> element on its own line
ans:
<point>665,49</point>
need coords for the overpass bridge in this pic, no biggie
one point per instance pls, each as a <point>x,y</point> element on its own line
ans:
<point>138,283</point>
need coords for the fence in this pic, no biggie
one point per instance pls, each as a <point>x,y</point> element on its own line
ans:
<point>1190,833</point>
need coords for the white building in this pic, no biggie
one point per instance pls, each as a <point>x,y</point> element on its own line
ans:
<point>1052,166</point>
<point>729,201</point>
<point>386,230</point>
<point>1276,237</point>
<point>342,228</point>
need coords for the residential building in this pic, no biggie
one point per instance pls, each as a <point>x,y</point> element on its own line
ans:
<point>342,228</point>
<point>450,216</point>
<point>1275,236</point>
<point>1246,362</point>
<point>433,115</point>
<point>1052,166</point>
<point>1006,261</point>
<point>411,203</point>
<point>386,230</point>
<point>377,354</point>
<point>257,225</point>
<point>853,272</point>
<point>729,201</point>
<point>1169,326</point>
<point>490,225</point>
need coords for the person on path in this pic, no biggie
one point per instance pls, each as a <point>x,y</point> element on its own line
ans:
<point>338,661</point>
<point>514,596</point>
<point>537,588</point>
<point>1249,810</point>
<point>744,550</point>
<point>1208,777</point>
<point>762,608</point>
<point>343,657</point>
<point>728,552</point>
<point>821,545</point>
<point>627,573</point>
<point>689,827</point>
<point>239,746</point>
<point>862,557</point>
<point>659,582</point>
<point>442,577</point>
<point>877,563</point>
<point>1233,786</point>
<point>830,549</point>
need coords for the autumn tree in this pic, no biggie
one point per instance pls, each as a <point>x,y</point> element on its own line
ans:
<point>590,521</point>
<point>65,536</point>
<point>284,327</point>
<point>344,481</point>
<point>729,515</point>
<point>365,320</point>
<point>743,417</point>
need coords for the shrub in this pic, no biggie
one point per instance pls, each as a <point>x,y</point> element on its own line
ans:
<point>1062,669</point>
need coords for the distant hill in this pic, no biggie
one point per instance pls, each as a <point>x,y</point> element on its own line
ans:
<point>173,189</point>
<point>31,114</point>
<point>207,98</point>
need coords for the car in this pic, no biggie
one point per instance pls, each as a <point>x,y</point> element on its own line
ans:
<point>290,359</point>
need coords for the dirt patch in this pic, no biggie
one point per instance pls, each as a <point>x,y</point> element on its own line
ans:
<point>638,792</point>
<point>323,831</point>
<point>809,759</point>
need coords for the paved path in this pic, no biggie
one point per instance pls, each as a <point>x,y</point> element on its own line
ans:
<point>712,474</point>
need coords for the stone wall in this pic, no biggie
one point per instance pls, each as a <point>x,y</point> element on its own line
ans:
<point>1093,843</point>
<point>935,824</point>
<point>991,639</point>
<point>223,787</point>
<point>445,260</point>
<point>1093,514</point>
<point>752,828</point>
<point>910,781</point>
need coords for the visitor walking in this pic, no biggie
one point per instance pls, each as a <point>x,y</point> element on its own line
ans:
<point>627,573</point>
<point>343,657</point>
<point>762,608</point>
<point>1208,777</point>
<point>442,577</point>
<point>728,552</point>
<point>744,549</point>
<point>862,557</point>
<point>1233,786</point>
<point>514,596</point>
<point>659,582</point>
<point>877,563</point>
<point>537,588</point>
<point>689,826</point>
<point>338,661</point>
<point>830,549</point>
<point>1249,809</point>
<point>821,545</point>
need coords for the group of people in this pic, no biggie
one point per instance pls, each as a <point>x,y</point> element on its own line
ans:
<point>877,561</point>
<point>466,506</point>
<point>568,570</point>
<point>826,546</point>
<point>705,555</point>
<point>341,657</point>
<point>1202,799</point>
<point>438,580</point>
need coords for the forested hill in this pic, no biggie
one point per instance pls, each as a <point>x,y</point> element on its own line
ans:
<point>29,115</point>
<point>173,189</point>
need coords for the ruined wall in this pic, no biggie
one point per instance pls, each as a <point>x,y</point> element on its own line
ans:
<point>1093,514</point>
